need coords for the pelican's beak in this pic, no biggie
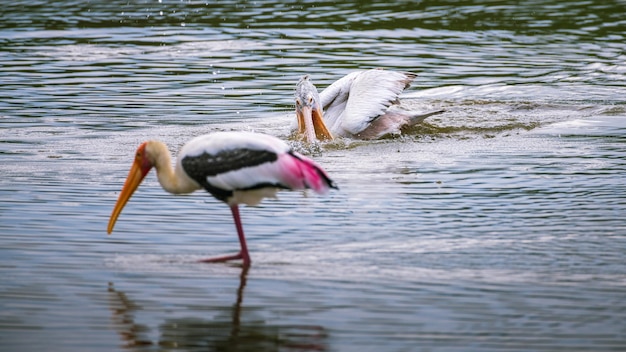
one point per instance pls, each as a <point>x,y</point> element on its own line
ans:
<point>137,173</point>
<point>311,124</point>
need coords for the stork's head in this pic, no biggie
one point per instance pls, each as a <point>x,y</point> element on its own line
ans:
<point>309,112</point>
<point>143,163</point>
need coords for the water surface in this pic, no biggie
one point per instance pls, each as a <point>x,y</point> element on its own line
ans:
<point>497,225</point>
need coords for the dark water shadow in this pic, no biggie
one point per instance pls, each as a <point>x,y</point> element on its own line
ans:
<point>231,328</point>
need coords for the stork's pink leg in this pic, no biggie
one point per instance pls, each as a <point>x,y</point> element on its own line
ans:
<point>242,238</point>
<point>243,253</point>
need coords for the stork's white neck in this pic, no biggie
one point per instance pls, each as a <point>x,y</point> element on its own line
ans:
<point>173,180</point>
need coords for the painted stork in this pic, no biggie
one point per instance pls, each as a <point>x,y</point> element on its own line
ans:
<point>363,104</point>
<point>235,167</point>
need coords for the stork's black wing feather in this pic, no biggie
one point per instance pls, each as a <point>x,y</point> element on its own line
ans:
<point>205,165</point>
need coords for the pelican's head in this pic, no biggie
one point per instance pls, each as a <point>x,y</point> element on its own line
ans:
<point>309,112</point>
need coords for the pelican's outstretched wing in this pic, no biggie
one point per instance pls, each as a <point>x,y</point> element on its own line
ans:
<point>371,94</point>
<point>334,98</point>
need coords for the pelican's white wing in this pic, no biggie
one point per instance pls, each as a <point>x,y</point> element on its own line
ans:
<point>334,98</point>
<point>370,95</point>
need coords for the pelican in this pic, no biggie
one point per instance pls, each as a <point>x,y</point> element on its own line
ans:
<point>363,104</point>
<point>234,167</point>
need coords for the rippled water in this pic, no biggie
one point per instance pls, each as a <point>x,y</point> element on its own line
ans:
<point>498,225</point>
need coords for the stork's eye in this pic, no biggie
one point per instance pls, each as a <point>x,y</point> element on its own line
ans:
<point>298,101</point>
<point>310,100</point>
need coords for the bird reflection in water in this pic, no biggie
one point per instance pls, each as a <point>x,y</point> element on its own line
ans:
<point>225,332</point>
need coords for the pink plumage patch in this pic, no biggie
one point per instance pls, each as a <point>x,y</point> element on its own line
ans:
<point>300,172</point>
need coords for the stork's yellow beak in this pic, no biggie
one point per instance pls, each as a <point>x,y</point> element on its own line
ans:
<point>136,174</point>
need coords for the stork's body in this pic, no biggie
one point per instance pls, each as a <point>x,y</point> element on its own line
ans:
<point>235,167</point>
<point>363,104</point>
